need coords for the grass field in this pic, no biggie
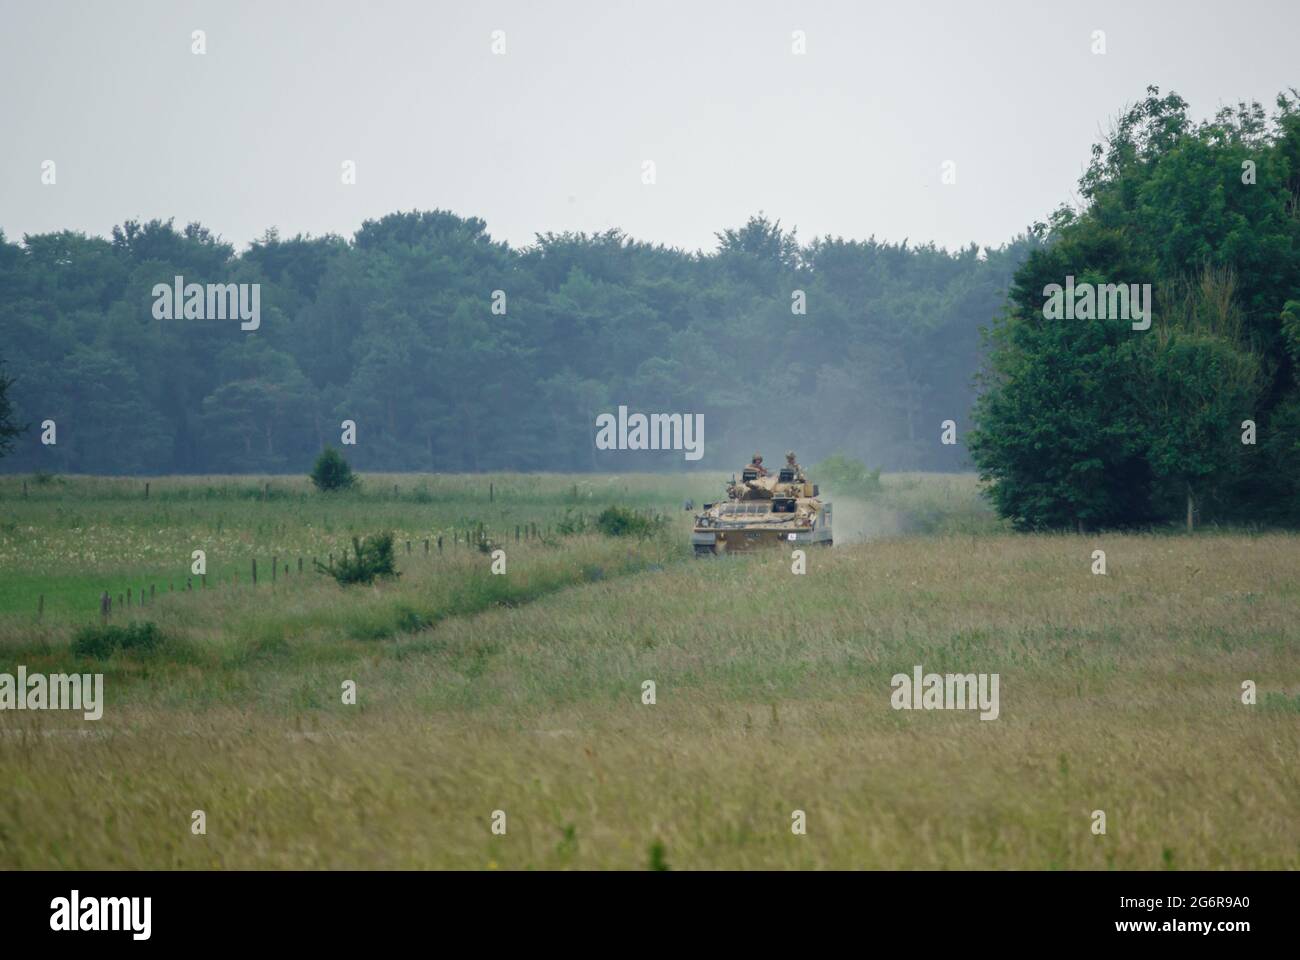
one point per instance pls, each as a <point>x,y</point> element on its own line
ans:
<point>522,693</point>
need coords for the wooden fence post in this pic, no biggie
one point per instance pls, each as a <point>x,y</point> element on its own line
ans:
<point>40,608</point>
<point>426,546</point>
<point>408,548</point>
<point>146,489</point>
<point>105,605</point>
<point>128,596</point>
<point>255,571</point>
<point>300,564</point>
<point>275,564</point>
<point>492,493</point>
<point>151,586</point>
<point>439,546</point>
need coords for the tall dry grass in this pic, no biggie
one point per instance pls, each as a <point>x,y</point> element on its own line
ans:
<point>1119,693</point>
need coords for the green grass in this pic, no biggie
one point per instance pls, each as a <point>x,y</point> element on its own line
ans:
<point>75,538</point>
<point>522,692</point>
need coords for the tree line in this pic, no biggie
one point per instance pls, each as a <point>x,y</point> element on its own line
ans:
<point>451,351</point>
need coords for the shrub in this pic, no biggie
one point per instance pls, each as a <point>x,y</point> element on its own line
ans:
<point>624,522</point>
<point>103,640</point>
<point>332,472</point>
<point>658,860</point>
<point>844,475</point>
<point>571,523</point>
<point>370,558</point>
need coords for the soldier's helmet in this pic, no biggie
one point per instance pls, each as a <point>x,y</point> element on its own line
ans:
<point>758,458</point>
<point>789,455</point>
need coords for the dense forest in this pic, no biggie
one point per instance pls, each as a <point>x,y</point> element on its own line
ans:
<point>453,352</point>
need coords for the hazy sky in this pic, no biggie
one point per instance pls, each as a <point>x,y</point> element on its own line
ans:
<point>847,139</point>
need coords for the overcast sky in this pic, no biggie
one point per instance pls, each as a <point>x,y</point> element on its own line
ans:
<point>848,139</point>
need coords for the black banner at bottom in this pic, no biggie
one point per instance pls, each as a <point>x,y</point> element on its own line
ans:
<point>333,909</point>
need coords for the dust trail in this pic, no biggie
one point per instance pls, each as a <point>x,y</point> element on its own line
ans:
<point>855,521</point>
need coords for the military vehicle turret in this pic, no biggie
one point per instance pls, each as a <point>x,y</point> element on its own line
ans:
<point>763,510</point>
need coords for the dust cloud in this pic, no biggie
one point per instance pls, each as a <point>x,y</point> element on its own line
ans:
<point>857,521</point>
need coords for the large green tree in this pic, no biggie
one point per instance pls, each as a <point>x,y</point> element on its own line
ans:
<point>1092,423</point>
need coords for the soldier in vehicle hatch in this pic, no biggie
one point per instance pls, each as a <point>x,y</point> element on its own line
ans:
<point>792,464</point>
<point>757,465</point>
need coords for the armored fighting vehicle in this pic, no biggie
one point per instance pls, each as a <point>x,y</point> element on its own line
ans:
<point>763,509</point>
